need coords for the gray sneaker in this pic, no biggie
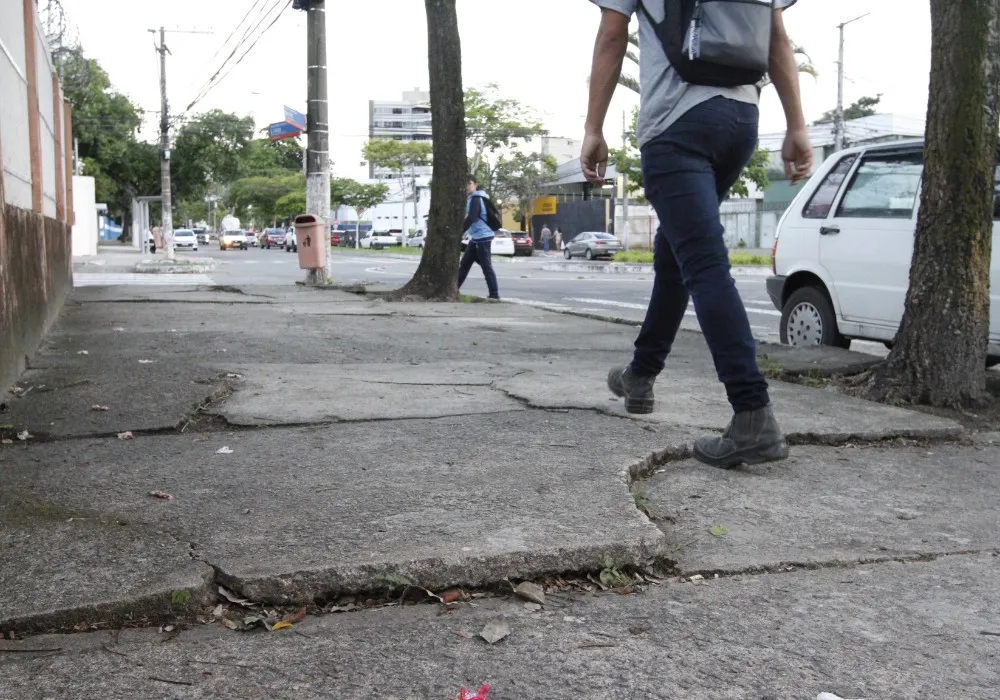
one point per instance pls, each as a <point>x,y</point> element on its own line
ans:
<point>635,389</point>
<point>752,437</point>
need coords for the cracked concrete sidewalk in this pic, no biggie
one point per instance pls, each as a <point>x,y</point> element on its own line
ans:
<point>315,442</point>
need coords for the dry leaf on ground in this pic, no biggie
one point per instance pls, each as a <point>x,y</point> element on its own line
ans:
<point>162,495</point>
<point>127,435</point>
<point>295,617</point>
<point>98,407</point>
<point>233,598</point>
<point>495,630</point>
<point>462,633</point>
<point>531,592</point>
<point>224,451</point>
<point>281,625</point>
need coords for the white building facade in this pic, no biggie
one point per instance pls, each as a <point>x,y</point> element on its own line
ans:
<point>408,119</point>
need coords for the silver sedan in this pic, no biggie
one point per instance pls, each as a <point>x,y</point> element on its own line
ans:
<point>593,245</point>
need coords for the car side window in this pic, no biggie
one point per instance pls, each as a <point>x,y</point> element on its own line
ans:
<point>820,203</point>
<point>884,187</point>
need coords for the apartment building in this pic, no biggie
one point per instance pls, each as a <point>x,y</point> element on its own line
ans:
<point>408,119</point>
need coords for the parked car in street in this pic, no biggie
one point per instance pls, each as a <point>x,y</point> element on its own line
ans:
<point>233,239</point>
<point>291,242</point>
<point>335,235</point>
<point>185,238</point>
<point>201,235</point>
<point>273,238</point>
<point>503,243</point>
<point>377,240</point>
<point>842,251</point>
<point>592,244</point>
<point>416,240</point>
<point>524,244</point>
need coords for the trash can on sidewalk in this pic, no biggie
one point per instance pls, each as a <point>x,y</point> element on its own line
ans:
<point>309,240</point>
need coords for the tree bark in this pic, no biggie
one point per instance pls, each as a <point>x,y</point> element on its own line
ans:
<point>436,277</point>
<point>939,357</point>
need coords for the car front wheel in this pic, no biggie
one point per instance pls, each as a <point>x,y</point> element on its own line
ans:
<point>808,320</point>
<point>590,254</point>
<point>568,255</point>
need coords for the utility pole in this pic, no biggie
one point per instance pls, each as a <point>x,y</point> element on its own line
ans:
<point>318,130</point>
<point>625,233</point>
<point>839,126</point>
<point>166,204</point>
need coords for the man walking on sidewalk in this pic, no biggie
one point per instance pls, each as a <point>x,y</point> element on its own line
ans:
<point>546,238</point>
<point>697,131</point>
<point>479,248</point>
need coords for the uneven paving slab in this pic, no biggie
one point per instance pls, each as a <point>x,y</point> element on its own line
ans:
<point>891,632</point>
<point>66,566</point>
<point>820,361</point>
<point>297,394</point>
<point>694,399</point>
<point>831,504</point>
<point>296,514</point>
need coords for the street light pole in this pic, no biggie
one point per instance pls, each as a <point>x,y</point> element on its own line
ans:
<point>839,126</point>
<point>317,128</point>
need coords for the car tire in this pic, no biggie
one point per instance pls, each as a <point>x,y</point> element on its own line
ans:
<point>992,361</point>
<point>808,319</point>
<point>589,254</point>
<point>568,255</point>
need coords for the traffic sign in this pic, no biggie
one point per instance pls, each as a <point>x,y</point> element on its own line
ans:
<point>294,118</point>
<point>282,130</point>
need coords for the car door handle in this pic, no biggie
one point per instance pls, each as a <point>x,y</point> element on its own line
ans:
<point>828,230</point>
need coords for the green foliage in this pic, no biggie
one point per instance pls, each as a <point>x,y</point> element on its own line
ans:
<point>290,205</point>
<point>180,597</point>
<point>519,176</point>
<point>398,156</point>
<point>266,157</point>
<point>208,150</point>
<point>259,196</point>
<point>362,197</point>
<point>494,123</point>
<point>864,107</point>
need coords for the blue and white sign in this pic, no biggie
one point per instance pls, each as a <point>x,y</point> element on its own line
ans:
<point>294,118</point>
<point>282,130</point>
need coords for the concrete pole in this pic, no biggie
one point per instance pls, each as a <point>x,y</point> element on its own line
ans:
<point>839,122</point>
<point>318,128</point>
<point>167,216</point>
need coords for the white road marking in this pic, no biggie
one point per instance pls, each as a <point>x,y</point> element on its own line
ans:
<point>95,279</point>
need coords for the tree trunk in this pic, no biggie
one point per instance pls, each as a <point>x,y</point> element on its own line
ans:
<point>939,357</point>
<point>436,277</point>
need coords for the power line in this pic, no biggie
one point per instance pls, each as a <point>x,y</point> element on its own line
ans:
<point>274,21</point>
<point>233,33</point>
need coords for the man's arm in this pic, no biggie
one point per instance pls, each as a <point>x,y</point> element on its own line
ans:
<point>609,52</point>
<point>475,212</point>
<point>784,72</point>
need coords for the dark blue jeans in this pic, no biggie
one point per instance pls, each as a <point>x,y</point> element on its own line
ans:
<point>479,252</point>
<point>687,172</point>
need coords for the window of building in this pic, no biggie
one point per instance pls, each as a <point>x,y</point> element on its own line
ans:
<point>884,187</point>
<point>397,110</point>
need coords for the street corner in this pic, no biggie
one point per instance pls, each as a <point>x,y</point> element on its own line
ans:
<point>833,506</point>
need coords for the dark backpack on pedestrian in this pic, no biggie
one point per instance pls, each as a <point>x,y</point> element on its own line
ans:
<point>493,218</point>
<point>720,43</point>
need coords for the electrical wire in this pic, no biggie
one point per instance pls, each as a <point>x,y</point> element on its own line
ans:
<point>216,78</point>
<point>233,33</point>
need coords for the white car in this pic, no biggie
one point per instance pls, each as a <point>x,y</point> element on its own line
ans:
<point>503,243</point>
<point>185,238</point>
<point>291,242</point>
<point>378,240</point>
<point>843,249</point>
<point>233,239</point>
<point>417,240</point>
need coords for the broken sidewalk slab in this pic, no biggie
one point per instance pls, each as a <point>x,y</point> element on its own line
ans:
<point>789,636</point>
<point>74,572</point>
<point>293,515</point>
<point>301,394</point>
<point>819,361</point>
<point>693,400</point>
<point>829,505</point>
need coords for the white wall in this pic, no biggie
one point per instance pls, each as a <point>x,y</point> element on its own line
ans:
<point>14,106</point>
<point>85,206</point>
<point>46,111</point>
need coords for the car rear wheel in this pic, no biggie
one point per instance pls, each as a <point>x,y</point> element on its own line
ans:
<point>807,320</point>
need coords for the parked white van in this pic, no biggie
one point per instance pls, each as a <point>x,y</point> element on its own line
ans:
<point>843,249</point>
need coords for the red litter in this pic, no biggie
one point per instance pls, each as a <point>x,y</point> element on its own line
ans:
<point>481,694</point>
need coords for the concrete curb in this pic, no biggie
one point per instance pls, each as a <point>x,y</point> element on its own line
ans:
<point>613,268</point>
<point>403,256</point>
<point>190,266</point>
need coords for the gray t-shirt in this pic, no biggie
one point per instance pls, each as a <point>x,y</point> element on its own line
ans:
<point>665,96</point>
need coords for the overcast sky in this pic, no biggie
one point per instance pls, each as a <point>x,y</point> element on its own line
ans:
<point>538,51</point>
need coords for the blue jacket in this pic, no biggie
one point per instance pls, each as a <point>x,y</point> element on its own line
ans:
<point>475,217</point>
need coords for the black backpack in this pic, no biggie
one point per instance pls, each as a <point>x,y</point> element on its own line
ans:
<point>720,43</point>
<point>493,218</point>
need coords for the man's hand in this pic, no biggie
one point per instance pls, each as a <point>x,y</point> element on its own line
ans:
<point>594,158</point>
<point>797,155</point>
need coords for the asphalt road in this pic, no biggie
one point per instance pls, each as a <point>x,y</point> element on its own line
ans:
<point>521,280</point>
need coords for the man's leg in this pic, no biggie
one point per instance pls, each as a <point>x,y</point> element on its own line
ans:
<point>468,257</point>
<point>486,262</point>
